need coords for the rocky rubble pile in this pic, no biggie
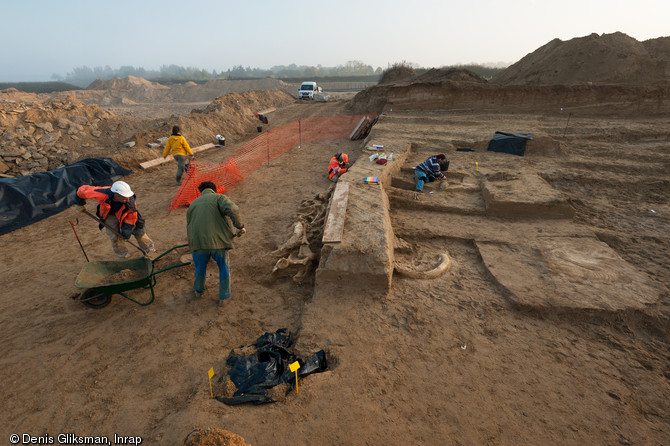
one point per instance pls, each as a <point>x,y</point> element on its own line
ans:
<point>48,133</point>
<point>36,137</point>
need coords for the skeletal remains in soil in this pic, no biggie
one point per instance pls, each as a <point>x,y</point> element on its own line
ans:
<point>304,256</point>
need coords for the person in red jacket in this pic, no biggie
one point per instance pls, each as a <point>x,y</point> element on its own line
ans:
<point>117,208</point>
<point>338,165</point>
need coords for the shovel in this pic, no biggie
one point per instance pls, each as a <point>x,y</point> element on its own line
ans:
<point>144,253</point>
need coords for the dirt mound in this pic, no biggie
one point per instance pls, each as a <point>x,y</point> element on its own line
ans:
<point>129,90</point>
<point>212,436</point>
<point>136,90</point>
<point>398,72</point>
<point>231,116</point>
<point>452,74</point>
<point>605,59</point>
<point>126,83</point>
<point>192,92</point>
<point>587,99</point>
<point>42,136</point>
<point>610,73</point>
<point>14,95</point>
<point>404,74</point>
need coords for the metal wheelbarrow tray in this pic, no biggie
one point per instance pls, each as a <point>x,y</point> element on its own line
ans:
<point>100,280</point>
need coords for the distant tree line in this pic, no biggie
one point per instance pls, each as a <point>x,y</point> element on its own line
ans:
<point>351,68</point>
<point>84,76</point>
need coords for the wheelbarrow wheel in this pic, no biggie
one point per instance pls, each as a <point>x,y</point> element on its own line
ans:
<point>96,302</point>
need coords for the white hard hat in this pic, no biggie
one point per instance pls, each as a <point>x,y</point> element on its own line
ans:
<point>122,189</point>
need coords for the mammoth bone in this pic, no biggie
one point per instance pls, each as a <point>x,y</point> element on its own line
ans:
<point>304,255</point>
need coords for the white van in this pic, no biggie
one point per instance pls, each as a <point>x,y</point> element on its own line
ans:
<point>307,90</point>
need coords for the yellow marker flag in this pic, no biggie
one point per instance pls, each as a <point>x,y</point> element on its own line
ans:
<point>477,166</point>
<point>210,373</point>
<point>294,368</point>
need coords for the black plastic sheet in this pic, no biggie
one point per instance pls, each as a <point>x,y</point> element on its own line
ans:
<point>253,375</point>
<point>29,199</point>
<point>513,143</point>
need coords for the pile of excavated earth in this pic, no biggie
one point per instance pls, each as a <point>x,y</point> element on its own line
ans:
<point>41,136</point>
<point>41,132</point>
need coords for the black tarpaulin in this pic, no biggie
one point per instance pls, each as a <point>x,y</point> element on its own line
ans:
<point>28,199</point>
<point>514,143</point>
<point>253,375</point>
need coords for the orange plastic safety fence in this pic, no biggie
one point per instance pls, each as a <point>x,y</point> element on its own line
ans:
<point>264,148</point>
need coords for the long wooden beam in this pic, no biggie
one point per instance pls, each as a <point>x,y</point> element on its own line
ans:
<point>155,162</point>
<point>334,227</point>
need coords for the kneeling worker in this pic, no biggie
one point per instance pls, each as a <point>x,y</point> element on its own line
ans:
<point>117,209</point>
<point>338,165</point>
<point>431,169</point>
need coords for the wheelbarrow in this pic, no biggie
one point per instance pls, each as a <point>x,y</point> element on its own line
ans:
<point>101,280</point>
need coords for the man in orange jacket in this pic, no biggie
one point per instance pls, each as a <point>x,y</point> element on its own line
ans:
<point>116,207</point>
<point>338,165</point>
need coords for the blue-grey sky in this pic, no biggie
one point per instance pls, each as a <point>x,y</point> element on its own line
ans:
<point>45,37</point>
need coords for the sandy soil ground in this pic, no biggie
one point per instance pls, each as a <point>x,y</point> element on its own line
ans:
<point>453,360</point>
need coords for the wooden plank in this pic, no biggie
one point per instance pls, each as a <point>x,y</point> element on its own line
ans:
<point>267,110</point>
<point>332,232</point>
<point>161,160</point>
<point>363,130</point>
<point>203,147</point>
<point>155,162</point>
<point>357,128</point>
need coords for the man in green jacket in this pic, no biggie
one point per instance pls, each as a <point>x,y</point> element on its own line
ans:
<point>210,221</point>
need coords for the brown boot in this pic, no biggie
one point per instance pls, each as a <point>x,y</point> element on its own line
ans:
<point>145,243</point>
<point>118,245</point>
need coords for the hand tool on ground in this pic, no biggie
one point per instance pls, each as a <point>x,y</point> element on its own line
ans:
<point>75,234</point>
<point>113,230</point>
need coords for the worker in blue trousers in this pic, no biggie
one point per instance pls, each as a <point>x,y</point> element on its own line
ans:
<point>430,170</point>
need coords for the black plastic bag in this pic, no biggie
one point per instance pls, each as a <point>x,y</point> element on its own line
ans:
<point>253,375</point>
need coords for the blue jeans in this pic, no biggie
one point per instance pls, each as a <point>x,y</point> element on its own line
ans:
<point>200,259</point>
<point>422,177</point>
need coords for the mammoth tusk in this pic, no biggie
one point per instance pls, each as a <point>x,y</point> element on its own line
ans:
<point>443,267</point>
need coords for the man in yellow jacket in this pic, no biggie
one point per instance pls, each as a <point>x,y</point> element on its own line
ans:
<point>180,149</point>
